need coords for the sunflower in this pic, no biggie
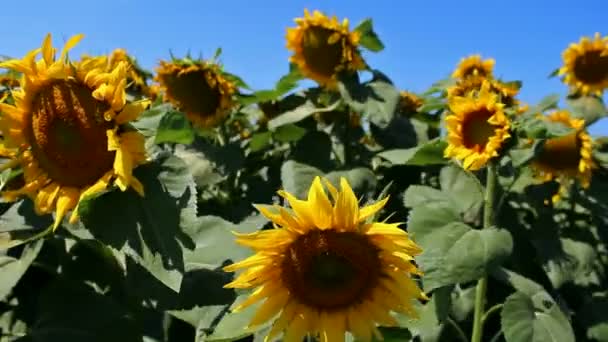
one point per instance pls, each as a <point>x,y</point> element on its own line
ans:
<point>506,91</point>
<point>567,157</point>
<point>68,130</point>
<point>586,65</point>
<point>323,48</point>
<point>327,268</point>
<point>409,102</point>
<point>136,77</point>
<point>474,66</point>
<point>198,88</point>
<point>477,127</point>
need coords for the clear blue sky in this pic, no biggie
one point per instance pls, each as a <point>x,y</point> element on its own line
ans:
<point>424,39</point>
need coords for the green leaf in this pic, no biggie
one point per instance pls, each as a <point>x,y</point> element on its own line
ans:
<point>554,73</point>
<point>548,102</point>
<point>369,39</point>
<point>542,129</point>
<point>430,153</point>
<point>174,127</point>
<point>300,113</point>
<point>432,314</point>
<point>148,229</point>
<point>22,217</point>
<point>12,269</point>
<point>574,265</point>
<point>419,195</point>
<point>297,177</point>
<point>432,104</point>
<point>361,179</point>
<point>443,240</point>
<point>377,99</point>
<point>589,108</point>
<point>536,318</point>
<point>232,326</point>
<point>463,187</point>
<point>288,82</point>
<point>215,243</point>
<point>522,156</point>
<point>260,140</point>
<point>288,133</point>
<point>517,281</point>
<point>65,315</point>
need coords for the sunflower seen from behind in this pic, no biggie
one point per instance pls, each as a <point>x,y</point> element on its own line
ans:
<point>198,88</point>
<point>477,127</point>
<point>323,47</point>
<point>474,66</point>
<point>567,158</point>
<point>68,130</point>
<point>585,66</point>
<point>326,268</point>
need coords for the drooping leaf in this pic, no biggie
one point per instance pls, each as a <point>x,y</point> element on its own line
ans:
<point>535,318</point>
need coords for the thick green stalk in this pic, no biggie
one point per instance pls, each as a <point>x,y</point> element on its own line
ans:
<point>482,284</point>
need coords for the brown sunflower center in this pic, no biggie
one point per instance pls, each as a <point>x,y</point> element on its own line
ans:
<point>592,67</point>
<point>476,130</point>
<point>562,153</point>
<point>474,70</point>
<point>331,270</point>
<point>321,56</point>
<point>193,92</point>
<point>68,134</point>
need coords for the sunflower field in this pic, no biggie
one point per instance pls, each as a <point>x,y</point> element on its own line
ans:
<point>179,204</point>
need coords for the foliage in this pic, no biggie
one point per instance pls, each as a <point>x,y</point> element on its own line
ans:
<point>150,268</point>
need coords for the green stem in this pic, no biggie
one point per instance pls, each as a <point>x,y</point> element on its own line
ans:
<point>482,284</point>
<point>490,312</point>
<point>459,331</point>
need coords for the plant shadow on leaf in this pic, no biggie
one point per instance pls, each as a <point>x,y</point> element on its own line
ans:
<point>62,309</point>
<point>147,228</point>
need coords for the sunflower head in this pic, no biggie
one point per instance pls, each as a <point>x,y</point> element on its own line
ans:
<point>327,268</point>
<point>198,88</point>
<point>568,157</point>
<point>477,127</point>
<point>474,66</point>
<point>323,47</point>
<point>68,129</point>
<point>409,102</point>
<point>585,65</point>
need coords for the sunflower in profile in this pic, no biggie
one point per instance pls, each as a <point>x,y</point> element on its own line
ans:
<point>566,158</point>
<point>323,47</point>
<point>68,130</point>
<point>198,88</point>
<point>326,268</point>
<point>586,65</point>
<point>477,127</point>
<point>409,102</point>
<point>474,66</point>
